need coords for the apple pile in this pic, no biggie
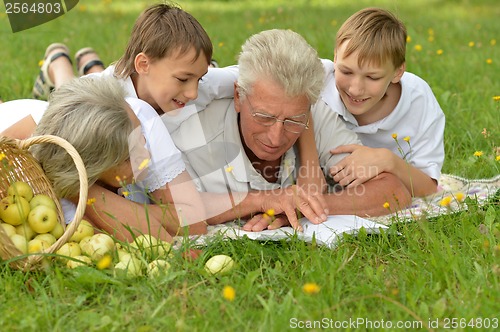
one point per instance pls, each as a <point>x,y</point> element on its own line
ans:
<point>29,220</point>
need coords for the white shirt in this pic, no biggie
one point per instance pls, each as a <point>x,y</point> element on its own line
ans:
<point>417,115</point>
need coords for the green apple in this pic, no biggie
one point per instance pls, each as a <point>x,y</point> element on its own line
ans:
<point>20,243</point>
<point>58,231</point>
<point>25,230</point>
<point>81,261</point>
<point>8,229</point>
<point>98,245</point>
<point>219,264</point>
<point>84,229</point>
<point>14,210</point>
<point>84,240</point>
<point>129,266</point>
<point>37,245</point>
<point>42,219</point>
<point>157,267</point>
<point>70,249</point>
<point>49,238</point>
<point>42,199</point>
<point>150,246</point>
<point>20,188</point>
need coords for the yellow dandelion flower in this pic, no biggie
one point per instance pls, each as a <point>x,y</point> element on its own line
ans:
<point>418,47</point>
<point>90,201</point>
<point>459,196</point>
<point>125,193</point>
<point>386,205</point>
<point>220,44</point>
<point>489,61</point>
<point>408,39</point>
<point>493,42</point>
<point>229,293</point>
<point>144,164</point>
<point>82,8</point>
<point>270,212</point>
<point>407,139</point>
<point>478,153</point>
<point>118,178</point>
<point>229,169</point>
<point>104,262</point>
<point>430,39</point>
<point>430,31</point>
<point>40,63</point>
<point>2,155</point>
<point>497,158</point>
<point>439,52</point>
<point>395,135</point>
<point>311,288</point>
<point>445,201</point>
<point>471,44</point>
<point>496,98</point>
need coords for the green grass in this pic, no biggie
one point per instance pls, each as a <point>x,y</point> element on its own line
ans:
<point>447,267</point>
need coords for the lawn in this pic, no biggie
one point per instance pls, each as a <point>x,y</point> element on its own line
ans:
<point>437,273</point>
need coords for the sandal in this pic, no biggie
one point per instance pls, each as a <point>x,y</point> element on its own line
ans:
<point>84,68</point>
<point>43,85</point>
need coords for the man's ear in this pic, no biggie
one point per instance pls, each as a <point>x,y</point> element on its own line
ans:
<point>236,98</point>
<point>141,63</point>
<point>399,72</point>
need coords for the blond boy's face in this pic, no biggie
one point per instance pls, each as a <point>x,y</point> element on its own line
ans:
<point>169,83</point>
<point>363,89</point>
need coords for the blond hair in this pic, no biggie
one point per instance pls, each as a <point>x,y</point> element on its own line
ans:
<point>376,34</point>
<point>90,113</point>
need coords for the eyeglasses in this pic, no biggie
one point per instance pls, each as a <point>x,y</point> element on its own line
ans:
<point>295,124</point>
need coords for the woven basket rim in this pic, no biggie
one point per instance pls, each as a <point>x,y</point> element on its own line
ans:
<point>31,261</point>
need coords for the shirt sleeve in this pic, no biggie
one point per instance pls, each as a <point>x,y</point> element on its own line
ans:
<point>217,83</point>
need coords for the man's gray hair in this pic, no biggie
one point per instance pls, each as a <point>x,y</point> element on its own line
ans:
<point>284,57</point>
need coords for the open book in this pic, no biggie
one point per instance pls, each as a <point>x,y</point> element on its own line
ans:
<point>326,234</point>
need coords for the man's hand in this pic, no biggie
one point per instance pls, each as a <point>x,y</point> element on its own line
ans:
<point>288,200</point>
<point>361,165</point>
<point>262,221</point>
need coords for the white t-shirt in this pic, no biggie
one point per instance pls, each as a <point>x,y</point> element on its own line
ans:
<point>16,110</point>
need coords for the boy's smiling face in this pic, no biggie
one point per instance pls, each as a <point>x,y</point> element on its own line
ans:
<point>363,88</point>
<point>169,83</point>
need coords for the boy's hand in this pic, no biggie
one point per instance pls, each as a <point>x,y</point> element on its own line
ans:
<point>361,165</point>
<point>262,221</point>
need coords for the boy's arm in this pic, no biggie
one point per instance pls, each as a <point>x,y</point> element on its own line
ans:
<point>22,129</point>
<point>310,175</point>
<point>364,163</point>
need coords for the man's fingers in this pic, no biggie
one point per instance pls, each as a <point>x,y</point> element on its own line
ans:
<point>278,223</point>
<point>251,222</point>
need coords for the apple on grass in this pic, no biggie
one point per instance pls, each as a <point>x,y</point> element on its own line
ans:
<point>97,246</point>
<point>20,188</point>
<point>219,264</point>
<point>42,199</point>
<point>14,210</point>
<point>157,267</point>
<point>84,229</point>
<point>42,219</point>
<point>129,266</point>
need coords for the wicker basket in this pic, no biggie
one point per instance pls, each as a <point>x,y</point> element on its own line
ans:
<point>18,164</point>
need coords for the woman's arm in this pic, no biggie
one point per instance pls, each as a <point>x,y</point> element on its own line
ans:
<point>22,129</point>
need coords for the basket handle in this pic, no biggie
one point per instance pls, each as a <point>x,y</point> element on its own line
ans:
<point>82,176</point>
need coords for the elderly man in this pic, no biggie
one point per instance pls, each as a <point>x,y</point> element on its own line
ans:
<point>247,144</point>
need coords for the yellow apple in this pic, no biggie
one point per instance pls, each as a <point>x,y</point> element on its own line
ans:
<point>42,219</point>
<point>42,199</point>
<point>84,240</point>
<point>20,242</point>
<point>84,229</point>
<point>20,188</point>
<point>58,231</point>
<point>8,229</point>
<point>219,264</point>
<point>157,267</point>
<point>49,238</point>
<point>150,246</point>
<point>37,245</point>
<point>81,261</point>
<point>98,245</point>
<point>70,249</point>
<point>14,210</point>
<point>25,230</point>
